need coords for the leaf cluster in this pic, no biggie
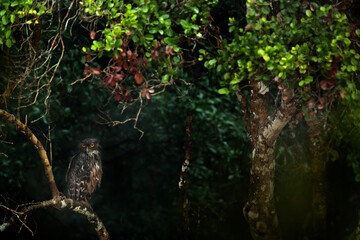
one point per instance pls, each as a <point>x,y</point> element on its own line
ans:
<point>302,45</point>
<point>15,14</point>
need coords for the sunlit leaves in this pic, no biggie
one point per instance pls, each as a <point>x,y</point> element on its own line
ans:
<point>224,91</point>
<point>307,80</point>
<point>304,45</point>
<point>19,13</point>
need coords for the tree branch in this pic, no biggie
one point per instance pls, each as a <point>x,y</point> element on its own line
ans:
<point>78,207</point>
<point>37,144</point>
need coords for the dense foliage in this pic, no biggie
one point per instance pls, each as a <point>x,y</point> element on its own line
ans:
<point>307,46</point>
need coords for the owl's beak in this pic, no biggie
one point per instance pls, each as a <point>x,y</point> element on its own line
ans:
<point>87,150</point>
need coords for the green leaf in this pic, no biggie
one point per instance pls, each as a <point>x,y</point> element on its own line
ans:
<point>212,63</point>
<point>308,79</point>
<point>196,10</point>
<point>176,59</point>
<point>357,32</point>
<point>347,41</point>
<point>145,9</point>
<point>118,43</point>
<point>235,81</point>
<point>165,78</point>
<point>4,20</point>
<point>14,3</point>
<point>149,37</point>
<point>265,10</point>
<point>98,44</point>
<point>261,52</point>
<point>308,13</point>
<point>185,24</point>
<point>224,91</point>
<point>8,33</point>
<point>8,43</point>
<point>12,18</point>
<point>266,58</point>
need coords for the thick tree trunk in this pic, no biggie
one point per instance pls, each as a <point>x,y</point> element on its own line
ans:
<point>318,171</point>
<point>264,130</point>
<point>260,209</point>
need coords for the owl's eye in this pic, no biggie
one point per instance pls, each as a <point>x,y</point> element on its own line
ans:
<point>83,145</point>
<point>92,145</point>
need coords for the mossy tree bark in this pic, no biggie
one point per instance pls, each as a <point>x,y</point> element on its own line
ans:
<point>264,128</point>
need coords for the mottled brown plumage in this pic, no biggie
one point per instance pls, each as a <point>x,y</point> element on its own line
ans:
<point>84,171</point>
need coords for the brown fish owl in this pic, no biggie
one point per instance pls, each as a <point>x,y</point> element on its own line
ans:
<point>85,171</point>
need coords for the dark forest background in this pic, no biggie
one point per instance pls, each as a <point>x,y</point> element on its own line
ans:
<point>139,197</point>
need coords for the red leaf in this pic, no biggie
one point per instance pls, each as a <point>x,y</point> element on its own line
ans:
<point>133,70</point>
<point>129,53</point>
<point>118,77</point>
<point>323,84</point>
<point>88,58</point>
<point>320,106</point>
<point>109,80</point>
<point>86,70</point>
<point>116,68</point>
<point>92,35</point>
<point>169,50</point>
<point>145,62</point>
<point>117,97</point>
<point>138,78</point>
<point>154,54</point>
<point>331,82</point>
<point>143,92</point>
<point>96,71</point>
<point>126,66</point>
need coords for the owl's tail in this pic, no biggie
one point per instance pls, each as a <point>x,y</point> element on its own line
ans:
<point>77,191</point>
